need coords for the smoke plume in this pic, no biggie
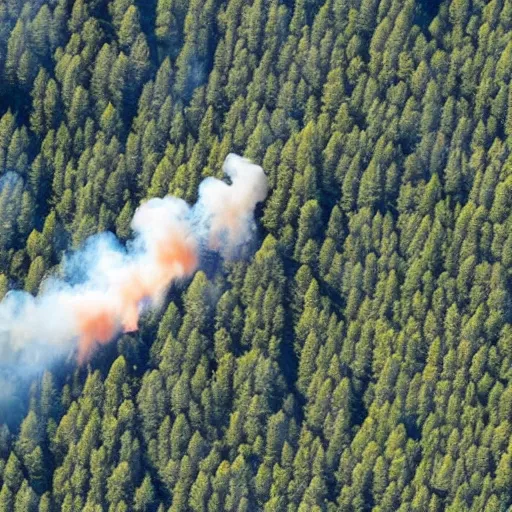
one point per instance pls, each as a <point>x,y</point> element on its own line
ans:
<point>117,283</point>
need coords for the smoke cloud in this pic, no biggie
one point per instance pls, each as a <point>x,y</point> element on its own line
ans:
<point>107,285</point>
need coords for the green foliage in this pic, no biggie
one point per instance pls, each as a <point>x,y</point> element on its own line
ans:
<point>360,358</point>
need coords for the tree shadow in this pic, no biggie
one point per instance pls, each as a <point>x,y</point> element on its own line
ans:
<point>426,11</point>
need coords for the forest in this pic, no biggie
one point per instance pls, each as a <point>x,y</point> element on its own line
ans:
<point>359,358</point>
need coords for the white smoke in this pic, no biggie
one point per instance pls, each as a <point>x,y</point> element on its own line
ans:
<point>116,283</point>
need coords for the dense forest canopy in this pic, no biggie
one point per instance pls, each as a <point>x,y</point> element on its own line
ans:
<point>361,358</point>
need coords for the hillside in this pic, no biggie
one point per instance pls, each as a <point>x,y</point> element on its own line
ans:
<point>359,355</point>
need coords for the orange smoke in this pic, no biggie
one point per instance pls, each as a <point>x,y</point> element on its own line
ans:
<point>165,248</point>
<point>226,224</point>
<point>230,208</point>
<point>110,285</point>
<point>96,325</point>
<point>174,257</point>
